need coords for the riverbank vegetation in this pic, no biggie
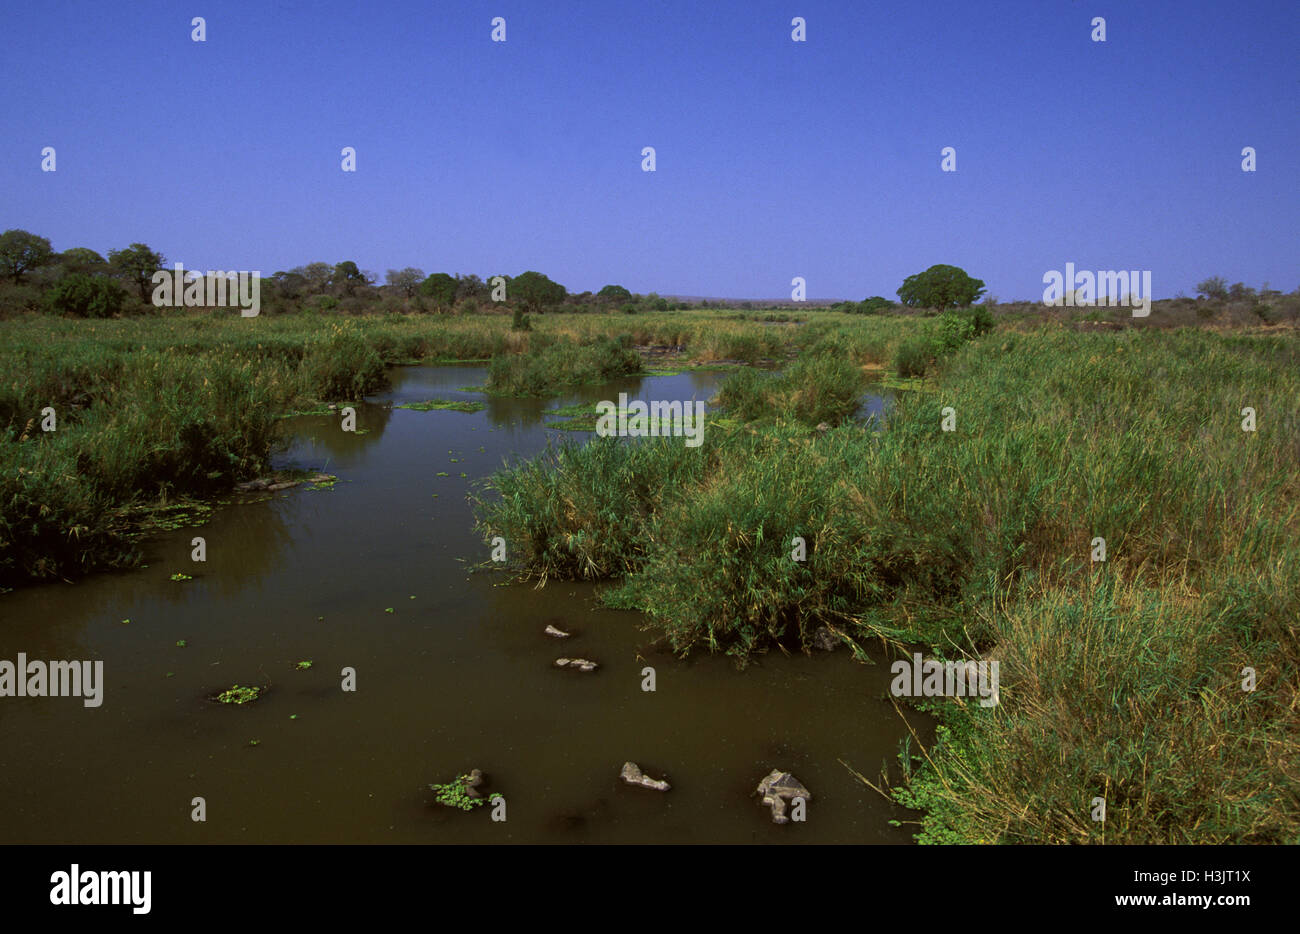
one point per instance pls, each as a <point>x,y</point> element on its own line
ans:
<point>1174,438</point>
<point>1121,678</point>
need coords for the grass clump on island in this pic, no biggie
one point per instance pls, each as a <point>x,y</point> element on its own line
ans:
<point>552,364</point>
<point>823,386</point>
<point>440,405</point>
<point>1120,679</point>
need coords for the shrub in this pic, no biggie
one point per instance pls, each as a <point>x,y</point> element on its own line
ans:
<point>85,296</point>
<point>874,305</point>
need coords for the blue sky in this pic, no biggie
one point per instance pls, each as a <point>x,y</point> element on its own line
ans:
<point>775,159</point>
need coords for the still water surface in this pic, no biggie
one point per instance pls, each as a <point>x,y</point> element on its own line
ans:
<point>457,676</point>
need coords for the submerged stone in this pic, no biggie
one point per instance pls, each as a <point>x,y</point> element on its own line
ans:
<point>779,787</point>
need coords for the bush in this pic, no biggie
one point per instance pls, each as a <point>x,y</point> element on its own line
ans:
<point>19,298</point>
<point>874,305</point>
<point>85,296</point>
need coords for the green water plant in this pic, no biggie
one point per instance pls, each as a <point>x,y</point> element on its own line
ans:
<point>239,695</point>
<point>455,794</point>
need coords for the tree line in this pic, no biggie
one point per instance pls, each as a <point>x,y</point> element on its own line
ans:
<point>81,282</point>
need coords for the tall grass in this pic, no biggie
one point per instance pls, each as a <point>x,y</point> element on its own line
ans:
<point>1122,678</point>
<point>822,387</point>
<point>553,363</point>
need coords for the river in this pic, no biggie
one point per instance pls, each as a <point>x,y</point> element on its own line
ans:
<point>452,672</point>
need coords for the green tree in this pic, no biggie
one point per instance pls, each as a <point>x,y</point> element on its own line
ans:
<point>85,296</point>
<point>440,288</point>
<point>940,287</point>
<point>21,251</point>
<point>137,263</point>
<point>614,294</point>
<point>535,292</point>
<point>347,276</point>
<point>82,259</point>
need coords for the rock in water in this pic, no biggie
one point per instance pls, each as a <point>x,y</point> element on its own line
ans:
<point>825,639</point>
<point>633,775</point>
<point>582,664</point>
<point>472,782</point>
<point>556,633</point>
<point>778,788</point>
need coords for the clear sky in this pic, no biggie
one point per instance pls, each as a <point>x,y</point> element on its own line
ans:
<point>774,158</point>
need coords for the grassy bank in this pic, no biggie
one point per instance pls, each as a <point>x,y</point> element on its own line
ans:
<point>1121,679</point>
<point>149,409</point>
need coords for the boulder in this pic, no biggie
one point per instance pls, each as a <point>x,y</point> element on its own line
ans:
<point>778,788</point>
<point>581,664</point>
<point>633,775</point>
<point>556,633</point>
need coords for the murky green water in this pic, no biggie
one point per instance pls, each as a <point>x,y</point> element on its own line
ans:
<point>458,675</point>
